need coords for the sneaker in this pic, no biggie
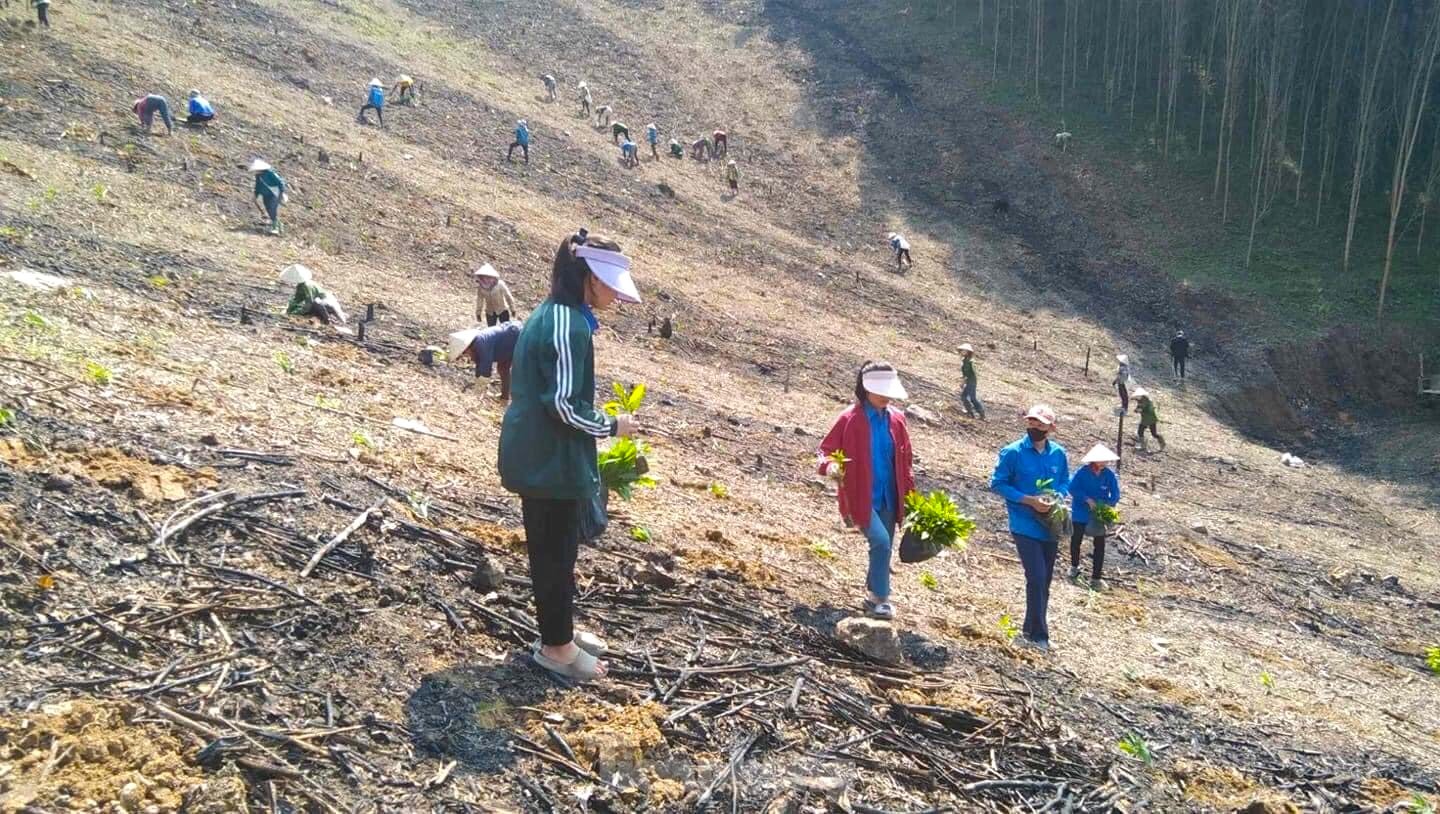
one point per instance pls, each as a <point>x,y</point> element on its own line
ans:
<point>1042,646</point>
<point>1098,584</point>
<point>1074,574</point>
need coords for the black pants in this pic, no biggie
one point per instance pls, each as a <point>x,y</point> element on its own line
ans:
<point>491,320</point>
<point>1124,398</point>
<point>1140,434</point>
<point>903,256</point>
<point>552,539</point>
<point>1180,366</point>
<point>198,118</point>
<point>1076,537</point>
<point>721,147</point>
<point>379,114</point>
<point>524,148</point>
<point>1037,557</point>
<point>44,13</point>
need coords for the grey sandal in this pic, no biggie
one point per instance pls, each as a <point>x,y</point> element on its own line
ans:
<point>584,668</point>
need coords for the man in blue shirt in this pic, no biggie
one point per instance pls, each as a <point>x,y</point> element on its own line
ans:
<point>1019,472</point>
<point>200,110</point>
<point>374,101</point>
<point>652,135</point>
<point>522,140</point>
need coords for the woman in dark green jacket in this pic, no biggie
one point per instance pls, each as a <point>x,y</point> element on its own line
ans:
<point>547,440</point>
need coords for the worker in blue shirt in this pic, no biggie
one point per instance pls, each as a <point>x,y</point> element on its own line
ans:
<point>522,140</point>
<point>200,110</point>
<point>1094,483</point>
<point>652,135</point>
<point>1020,471</point>
<point>375,101</point>
<point>629,153</point>
<point>489,348</point>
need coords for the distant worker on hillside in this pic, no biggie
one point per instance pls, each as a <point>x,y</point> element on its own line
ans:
<point>148,107</point>
<point>200,111</point>
<point>404,90</point>
<point>1023,473</point>
<point>42,11</point>
<point>677,150</point>
<point>968,399</point>
<point>721,144</point>
<point>1123,381</point>
<point>309,299</point>
<point>876,474</point>
<point>652,135</point>
<point>1179,352</point>
<point>1149,420</point>
<point>269,192</point>
<point>1093,484</point>
<point>374,100</point>
<point>617,130</point>
<point>551,86</point>
<point>732,176</point>
<point>548,442</point>
<point>700,149</point>
<point>493,303</point>
<point>902,250</point>
<point>629,153</point>
<point>488,348</point>
<point>602,115</point>
<point>584,92</point>
<point>522,140</point>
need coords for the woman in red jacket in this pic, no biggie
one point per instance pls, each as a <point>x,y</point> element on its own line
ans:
<point>876,478</point>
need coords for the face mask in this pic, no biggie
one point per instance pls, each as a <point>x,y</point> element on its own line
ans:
<point>1037,435</point>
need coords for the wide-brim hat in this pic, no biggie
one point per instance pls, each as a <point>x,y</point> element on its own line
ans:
<point>1099,454</point>
<point>1140,393</point>
<point>376,83</point>
<point>258,166</point>
<point>884,383</point>
<point>1043,414</point>
<point>966,347</point>
<point>613,269</point>
<point>459,341</point>
<point>891,236</point>
<point>487,270</point>
<point>295,274</point>
<point>194,93</point>
<point>1122,358</point>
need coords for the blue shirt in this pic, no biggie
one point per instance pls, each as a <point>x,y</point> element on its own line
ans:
<point>200,107</point>
<point>377,96</point>
<point>589,314</point>
<point>1017,470</point>
<point>628,147</point>
<point>494,344</point>
<point>652,134</point>
<point>522,135</point>
<point>1102,488</point>
<point>882,460</point>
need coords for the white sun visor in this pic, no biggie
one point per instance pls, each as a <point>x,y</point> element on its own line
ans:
<point>613,269</point>
<point>884,383</point>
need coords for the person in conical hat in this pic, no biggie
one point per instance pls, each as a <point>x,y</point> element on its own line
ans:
<point>872,435</point>
<point>269,192</point>
<point>489,348</point>
<point>1093,483</point>
<point>374,100</point>
<point>1149,419</point>
<point>404,90</point>
<point>1122,381</point>
<point>494,303</point>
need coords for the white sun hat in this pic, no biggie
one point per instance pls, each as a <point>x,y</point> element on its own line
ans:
<point>1140,393</point>
<point>1122,358</point>
<point>487,270</point>
<point>459,341</point>
<point>295,274</point>
<point>1043,414</point>
<point>376,83</point>
<point>258,166</point>
<point>884,383</point>
<point>1099,454</point>
<point>966,347</point>
<point>613,269</point>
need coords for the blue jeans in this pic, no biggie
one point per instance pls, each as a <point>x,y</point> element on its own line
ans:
<point>272,208</point>
<point>880,532</point>
<point>1038,559</point>
<point>970,402</point>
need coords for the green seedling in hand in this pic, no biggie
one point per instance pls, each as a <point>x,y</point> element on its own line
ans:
<point>936,518</point>
<point>1106,514</point>
<point>626,401</point>
<point>620,469</point>
<point>838,458</point>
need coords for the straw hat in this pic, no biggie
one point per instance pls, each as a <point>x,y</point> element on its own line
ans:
<point>1099,454</point>
<point>965,347</point>
<point>258,166</point>
<point>295,274</point>
<point>376,83</point>
<point>487,270</point>
<point>460,341</point>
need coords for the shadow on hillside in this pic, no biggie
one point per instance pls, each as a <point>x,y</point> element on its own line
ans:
<point>467,712</point>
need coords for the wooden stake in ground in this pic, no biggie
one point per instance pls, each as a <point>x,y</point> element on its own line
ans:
<point>360,520</point>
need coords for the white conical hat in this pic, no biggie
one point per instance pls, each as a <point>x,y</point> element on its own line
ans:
<point>1140,393</point>
<point>295,274</point>
<point>376,83</point>
<point>487,270</point>
<point>1099,454</point>
<point>966,346</point>
<point>459,341</point>
<point>1122,358</point>
<point>258,166</point>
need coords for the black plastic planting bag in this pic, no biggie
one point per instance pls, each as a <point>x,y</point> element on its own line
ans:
<point>913,549</point>
<point>593,515</point>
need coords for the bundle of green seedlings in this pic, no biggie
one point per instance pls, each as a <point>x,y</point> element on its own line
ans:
<point>623,465</point>
<point>1058,518</point>
<point>936,520</point>
<point>1106,514</point>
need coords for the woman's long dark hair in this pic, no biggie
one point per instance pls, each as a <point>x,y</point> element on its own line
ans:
<point>860,377</point>
<point>570,273</point>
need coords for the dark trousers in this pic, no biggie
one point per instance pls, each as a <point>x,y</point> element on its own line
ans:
<point>721,147</point>
<point>1179,366</point>
<point>734,186</point>
<point>552,540</point>
<point>1037,557</point>
<point>44,14</point>
<point>491,320</point>
<point>1124,397</point>
<point>524,148</point>
<point>970,401</point>
<point>1144,425</point>
<point>379,114</point>
<point>903,256</point>
<point>198,118</point>
<point>654,151</point>
<point>272,208</point>
<point>1076,537</point>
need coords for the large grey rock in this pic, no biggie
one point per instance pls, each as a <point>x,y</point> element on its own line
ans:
<point>873,637</point>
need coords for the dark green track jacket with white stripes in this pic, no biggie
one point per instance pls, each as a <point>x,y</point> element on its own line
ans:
<point>547,441</point>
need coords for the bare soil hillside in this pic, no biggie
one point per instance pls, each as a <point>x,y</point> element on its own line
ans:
<point>176,452</point>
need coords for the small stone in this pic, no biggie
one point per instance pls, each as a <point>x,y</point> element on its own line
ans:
<point>655,577</point>
<point>1199,528</point>
<point>873,637</point>
<point>922,415</point>
<point>209,439</point>
<point>488,576</point>
<point>715,536</point>
<point>59,483</point>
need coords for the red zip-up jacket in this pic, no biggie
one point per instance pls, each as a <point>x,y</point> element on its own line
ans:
<point>851,434</point>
